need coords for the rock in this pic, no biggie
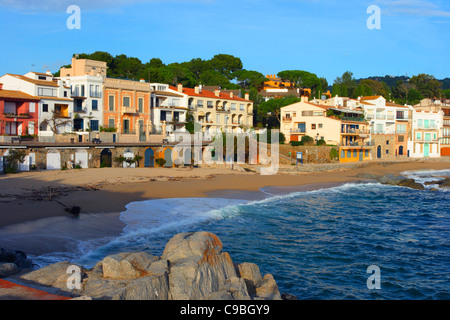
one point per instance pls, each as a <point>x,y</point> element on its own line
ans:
<point>410,183</point>
<point>8,269</point>
<point>267,288</point>
<point>391,179</point>
<point>17,257</point>
<point>192,267</point>
<point>251,275</point>
<point>54,275</point>
<point>288,296</point>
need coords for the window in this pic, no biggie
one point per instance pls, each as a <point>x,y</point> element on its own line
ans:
<point>233,106</point>
<point>82,90</point>
<point>42,78</point>
<point>94,105</point>
<point>379,128</point>
<point>307,113</point>
<point>111,103</point>
<point>427,136</point>
<point>400,115</point>
<point>420,123</point>
<point>342,153</point>
<point>387,141</point>
<point>433,124</point>
<point>387,151</point>
<point>320,125</point>
<point>401,138</point>
<point>210,104</point>
<point>141,105</point>
<point>65,94</point>
<point>426,124</point>
<point>126,101</point>
<point>111,123</point>
<point>32,107</point>
<point>45,107</point>
<point>94,125</point>
<point>241,107</point>
<point>401,128</point>
<point>218,118</point>
<point>434,136</point>
<point>355,153</point>
<point>418,135</point>
<point>313,126</point>
<point>349,154</point>
<point>318,113</point>
<point>46,92</point>
<point>200,103</point>
<point>366,153</point>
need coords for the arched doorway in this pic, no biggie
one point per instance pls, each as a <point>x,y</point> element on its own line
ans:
<point>400,151</point>
<point>53,160</point>
<point>129,154</point>
<point>168,157</point>
<point>379,152</point>
<point>106,158</point>
<point>81,158</point>
<point>149,158</point>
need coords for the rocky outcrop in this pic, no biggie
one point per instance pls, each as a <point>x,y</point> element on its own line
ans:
<point>192,267</point>
<point>393,180</point>
<point>12,262</point>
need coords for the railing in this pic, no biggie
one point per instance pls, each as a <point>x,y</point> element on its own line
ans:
<point>358,144</point>
<point>76,93</point>
<point>82,110</point>
<point>353,119</point>
<point>298,131</point>
<point>95,94</point>
<point>128,110</point>
<point>13,115</point>
<point>287,119</point>
<point>355,131</point>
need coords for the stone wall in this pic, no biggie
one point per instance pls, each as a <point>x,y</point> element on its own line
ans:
<point>311,154</point>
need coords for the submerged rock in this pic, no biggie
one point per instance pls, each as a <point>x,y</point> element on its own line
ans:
<point>400,180</point>
<point>192,267</point>
<point>12,262</point>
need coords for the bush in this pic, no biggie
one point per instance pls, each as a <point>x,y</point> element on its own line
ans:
<point>13,159</point>
<point>295,143</point>
<point>307,141</point>
<point>160,162</point>
<point>334,154</point>
<point>321,142</point>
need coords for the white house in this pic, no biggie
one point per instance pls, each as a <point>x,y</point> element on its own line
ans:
<point>86,91</point>
<point>426,129</point>
<point>55,106</point>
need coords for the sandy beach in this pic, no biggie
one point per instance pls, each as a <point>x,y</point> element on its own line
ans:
<point>26,196</point>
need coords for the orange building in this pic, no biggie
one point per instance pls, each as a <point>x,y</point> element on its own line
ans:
<point>126,107</point>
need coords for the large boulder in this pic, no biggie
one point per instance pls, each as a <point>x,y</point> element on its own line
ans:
<point>12,262</point>
<point>192,267</point>
<point>8,269</point>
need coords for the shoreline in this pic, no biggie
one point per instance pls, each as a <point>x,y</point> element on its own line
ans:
<point>109,190</point>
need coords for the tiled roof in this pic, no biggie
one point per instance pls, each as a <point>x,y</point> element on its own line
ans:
<point>208,94</point>
<point>34,81</point>
<point>14,94</point>
<point>370,97</point>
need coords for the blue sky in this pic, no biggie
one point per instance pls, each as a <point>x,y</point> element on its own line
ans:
<point>326,37</point>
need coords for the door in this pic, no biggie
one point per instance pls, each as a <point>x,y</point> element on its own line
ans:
<point>1,164</point>
<point>400,150</point>
<point>53,160</point>
<point>361,155</point>
<point>168,157</point>
<point>106,158</point>
<point>129,154</point>
<point>78,124</point>
<point>141,131</point>
<point>81,158</point>
<point>379,152</point>
<point>26,164</point>
<point>149,158</point>
<point>187,156</point>
<point>126,126</point>
<point>426,150</point>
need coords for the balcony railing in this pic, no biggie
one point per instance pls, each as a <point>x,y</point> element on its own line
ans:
<point>95,94</point>
<point>287,119</point>
<point>359,119</point>
<point>13,115</point>
<point>358,144</point>
<point>298,130</point>
<point>128,110</point>
<point>355,131</point>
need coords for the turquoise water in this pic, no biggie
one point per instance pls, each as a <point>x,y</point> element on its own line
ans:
<point>317,244</point>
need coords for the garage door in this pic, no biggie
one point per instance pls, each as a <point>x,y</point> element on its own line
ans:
<point>81,158</point>
<point>53,160</point>
<point>445,152</point>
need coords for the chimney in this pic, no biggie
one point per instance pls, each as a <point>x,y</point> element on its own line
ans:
<point>247,96</point>
<point>180,88</point>
<point>197,89</point>
<point>200,88</point>
<point>48,72</point>
<point>304,99</point>
<point>231,94</point>
<point>142,80</point>
<point>217,93</point>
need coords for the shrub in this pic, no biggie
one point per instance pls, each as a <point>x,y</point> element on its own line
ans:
<point>321,142</point>
<point>160,162</point>
<point>334,154</point>
<point>307,141</point>
<point>13,159</point>
<point>295,143</point>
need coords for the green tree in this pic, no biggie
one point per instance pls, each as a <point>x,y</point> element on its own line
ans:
<point>427,85</point>
<point>335,91</point>
<point>226,64</point>
<point>270,110</point>
<point>414,96</point>
<point>347,84</point>
<point>249,78</point>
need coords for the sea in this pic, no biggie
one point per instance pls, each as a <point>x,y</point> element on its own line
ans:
<point>355,241</point>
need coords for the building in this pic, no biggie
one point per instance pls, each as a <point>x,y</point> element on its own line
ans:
<point>18,113</point>
<point>55,109</point>
<point>425,137</point>
<point>81,67</point>
<point>335,125</point>
<point>276,88</point>
<point>126,108</point>
<point>390,126</point>
<point>218,111</point>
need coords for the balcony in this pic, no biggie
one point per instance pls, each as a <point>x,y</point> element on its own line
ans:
<point>355,119</point>
<point>355,131</point>
<point>128,110</point>
<point>96,94</point>
<point>287,119</point>
<point>13,115</point>
<point>298,130</point>
<point>80,110</point>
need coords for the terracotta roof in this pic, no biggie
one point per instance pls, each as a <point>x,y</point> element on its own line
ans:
<point>14,94</point>
<point>208,94</point>
<point>168,93</point>
<point>370,97</point>
<point>38,82</point>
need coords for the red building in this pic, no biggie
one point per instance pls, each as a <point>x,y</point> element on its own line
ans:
<point>18,113</point>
